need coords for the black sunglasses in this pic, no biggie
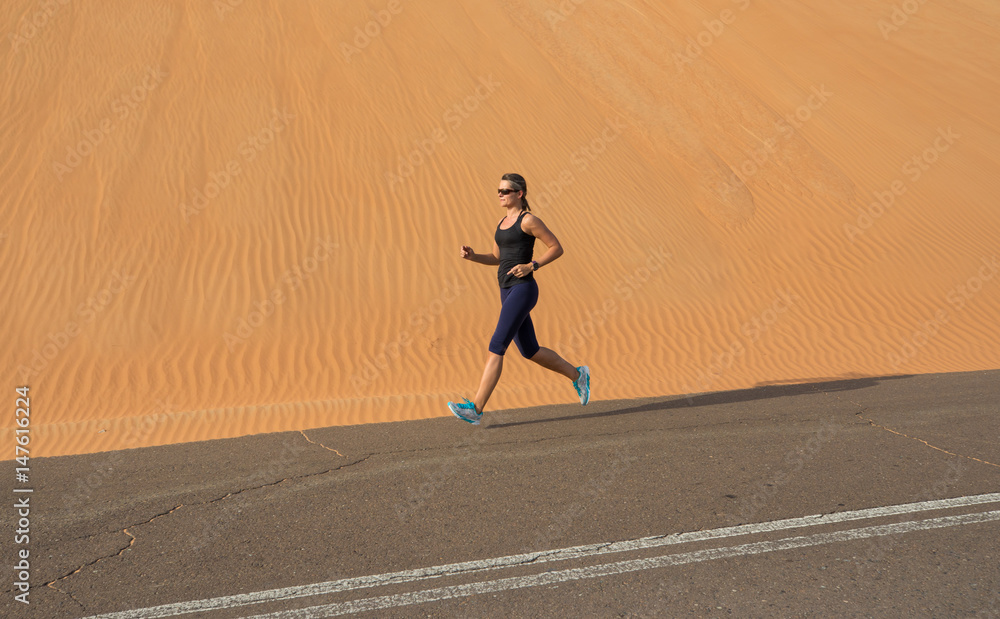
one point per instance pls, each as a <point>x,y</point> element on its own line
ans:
<point>506,191</point>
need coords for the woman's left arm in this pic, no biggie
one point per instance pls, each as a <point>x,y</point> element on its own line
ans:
<point>537,228</point>
<point>534,226</point>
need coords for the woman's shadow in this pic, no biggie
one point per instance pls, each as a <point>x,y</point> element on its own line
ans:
<point>761,391</point>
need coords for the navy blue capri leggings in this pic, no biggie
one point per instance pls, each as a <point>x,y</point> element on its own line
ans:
<point>516,303</point>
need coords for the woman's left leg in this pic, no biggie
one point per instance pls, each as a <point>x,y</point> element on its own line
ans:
<point>550,359</point>
<point>527,344</point>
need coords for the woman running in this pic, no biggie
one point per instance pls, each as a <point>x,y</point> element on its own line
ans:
<point>513,246</point>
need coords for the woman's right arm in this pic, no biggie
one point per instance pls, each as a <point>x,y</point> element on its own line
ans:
<point>487,259</point>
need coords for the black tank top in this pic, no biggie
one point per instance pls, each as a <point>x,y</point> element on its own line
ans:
<point>516,248</point>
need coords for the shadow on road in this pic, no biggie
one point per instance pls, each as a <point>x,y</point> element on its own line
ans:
<point>761,391</point>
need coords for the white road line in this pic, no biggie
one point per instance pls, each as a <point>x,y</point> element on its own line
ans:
<point>561,554</point>
<point>621,567</point>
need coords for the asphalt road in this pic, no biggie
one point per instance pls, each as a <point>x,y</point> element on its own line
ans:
<point>256,520</point>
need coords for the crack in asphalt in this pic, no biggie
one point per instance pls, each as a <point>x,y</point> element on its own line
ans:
<point>275,483</point>
<point>84,537</point>
<point>302,432</point>
<point>872,423</point>
<point>920,440</point>
<point>131,542</point>
<point>71,596</point>
<point>132,538</point>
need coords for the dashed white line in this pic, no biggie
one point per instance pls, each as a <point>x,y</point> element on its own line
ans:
<point>561,554</point>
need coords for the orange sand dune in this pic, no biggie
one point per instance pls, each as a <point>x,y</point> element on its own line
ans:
<point>224,218</point>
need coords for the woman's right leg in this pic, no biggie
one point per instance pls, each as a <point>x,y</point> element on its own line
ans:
<point>491,376</point>
<point>515,304</point>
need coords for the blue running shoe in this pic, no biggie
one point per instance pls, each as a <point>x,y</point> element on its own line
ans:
<point>582,384</point>
<point>466,411</point>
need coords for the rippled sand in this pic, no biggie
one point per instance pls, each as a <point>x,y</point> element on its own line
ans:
<point>221,220</point>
